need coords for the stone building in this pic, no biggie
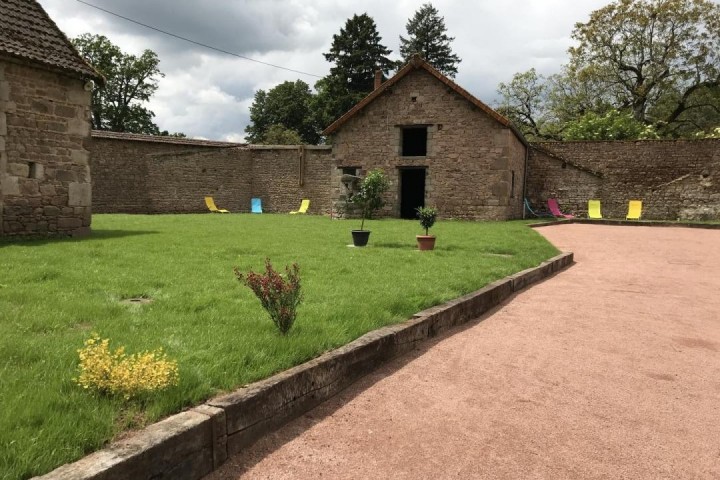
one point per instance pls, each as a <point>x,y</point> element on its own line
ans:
<point>44,126</point>
<point>439,146</point>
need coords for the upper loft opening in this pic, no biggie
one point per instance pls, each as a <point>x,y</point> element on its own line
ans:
<point>414,141</point>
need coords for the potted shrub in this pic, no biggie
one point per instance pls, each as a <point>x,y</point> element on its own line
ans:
<point>368,200</point>
<point>427,216</point>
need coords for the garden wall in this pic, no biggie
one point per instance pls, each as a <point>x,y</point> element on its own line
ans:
<point>144,174</point>
<point>675,179</point>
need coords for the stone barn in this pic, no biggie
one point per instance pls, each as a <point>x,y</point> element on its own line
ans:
<point>45,89</point>
<point>439,145</point>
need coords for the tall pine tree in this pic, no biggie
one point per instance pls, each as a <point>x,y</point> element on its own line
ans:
<point>357,52</point>
<point>426,32</point>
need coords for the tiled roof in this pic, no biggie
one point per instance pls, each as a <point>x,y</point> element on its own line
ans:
<point>27,32</point>
<point>416,63</point>
<point>161,139</point>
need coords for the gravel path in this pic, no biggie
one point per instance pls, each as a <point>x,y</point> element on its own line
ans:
<point>611,369</point>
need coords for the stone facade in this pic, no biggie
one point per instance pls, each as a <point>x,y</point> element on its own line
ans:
<point>143,174</point>
<point>44,168</point>
<point>675,179</point>
<point>474,165</point>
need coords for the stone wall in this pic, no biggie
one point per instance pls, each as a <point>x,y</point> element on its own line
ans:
<point>44,171</point>
<point>675,179</point>
<point>470,158</point>
<point>141,174</point>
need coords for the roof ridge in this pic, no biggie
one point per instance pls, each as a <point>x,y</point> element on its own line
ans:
<point>417,62</point>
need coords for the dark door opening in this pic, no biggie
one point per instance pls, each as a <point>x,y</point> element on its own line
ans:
<point>412,191</point>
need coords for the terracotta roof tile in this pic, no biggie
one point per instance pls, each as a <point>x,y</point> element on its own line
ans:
<point>27,32</point>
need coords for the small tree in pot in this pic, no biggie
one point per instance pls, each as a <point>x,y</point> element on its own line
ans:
<point>368,200</point>
<point>427,216</point>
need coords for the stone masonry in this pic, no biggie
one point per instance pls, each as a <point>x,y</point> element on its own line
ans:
<point>475,165</point>
<point>44,168</point>
<point>145,174</point>
<point>675,179</point>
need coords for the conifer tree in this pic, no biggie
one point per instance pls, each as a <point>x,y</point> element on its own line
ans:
<point>357,53</point>
<point>426,36</point>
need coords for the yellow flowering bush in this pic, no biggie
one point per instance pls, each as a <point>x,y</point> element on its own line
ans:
<point>117,373</point>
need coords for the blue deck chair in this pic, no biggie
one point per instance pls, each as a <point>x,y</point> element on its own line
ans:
<point>256,205</point>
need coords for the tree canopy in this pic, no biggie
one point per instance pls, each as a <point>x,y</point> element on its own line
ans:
<point>288,105</point>
<point>357,53</point>
<point>130,82</point>
<point>656,60</point>
<point>427,37</point>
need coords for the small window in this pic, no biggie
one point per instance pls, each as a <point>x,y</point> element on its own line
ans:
<point>350,170</point>
<point>512,185</point>
<point>33,171</point>
<point>414,141</point>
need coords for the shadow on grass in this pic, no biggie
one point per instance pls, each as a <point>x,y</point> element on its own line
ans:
<point>95,235</point>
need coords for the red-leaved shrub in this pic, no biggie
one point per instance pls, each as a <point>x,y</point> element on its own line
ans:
<point>279,294</point>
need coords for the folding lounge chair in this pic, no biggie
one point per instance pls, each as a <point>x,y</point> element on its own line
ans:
<point>304,205</point>
<point>634,210</point>
<point>256,205</point>
<point>534,213</point>
<point>212,207</point>
<point>594,209</point>
<point>555,209</point>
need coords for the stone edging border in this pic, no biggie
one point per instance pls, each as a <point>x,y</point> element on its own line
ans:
<point>191,444</point>
<point>635,223</point>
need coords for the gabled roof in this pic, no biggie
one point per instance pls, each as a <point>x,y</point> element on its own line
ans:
<point>417,63</point>
<point>27,32</point>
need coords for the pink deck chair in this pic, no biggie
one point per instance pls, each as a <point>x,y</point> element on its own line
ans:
<point>555,209</point>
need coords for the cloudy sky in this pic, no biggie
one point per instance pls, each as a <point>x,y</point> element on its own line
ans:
<point>207,94</point>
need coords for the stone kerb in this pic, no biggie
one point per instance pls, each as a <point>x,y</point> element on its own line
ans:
<point>191,444</point>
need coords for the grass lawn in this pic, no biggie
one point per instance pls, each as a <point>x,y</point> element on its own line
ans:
<point>53,294</point>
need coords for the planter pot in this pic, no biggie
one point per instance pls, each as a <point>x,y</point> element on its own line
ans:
<point>360,237</point>
<point>425,242</point>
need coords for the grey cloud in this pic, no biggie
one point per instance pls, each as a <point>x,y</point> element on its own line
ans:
<point>207,94</point>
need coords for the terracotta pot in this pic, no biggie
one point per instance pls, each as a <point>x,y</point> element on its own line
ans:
<point>425,242</point>
<point>360,237</point>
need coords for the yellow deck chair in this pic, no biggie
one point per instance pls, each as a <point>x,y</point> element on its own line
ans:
<point>212,207</point>
<point>634,210</point>
<point>594,209</point>
<point>304,205</point>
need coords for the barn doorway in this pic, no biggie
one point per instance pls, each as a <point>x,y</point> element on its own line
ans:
<point>412,191</point>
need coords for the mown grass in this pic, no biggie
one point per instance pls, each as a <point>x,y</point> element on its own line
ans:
<point>53,294</point>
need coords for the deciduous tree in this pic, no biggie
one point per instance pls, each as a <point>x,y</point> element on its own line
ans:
<point>130,82</point>
<point>658,58</point>
<point>289,105</point>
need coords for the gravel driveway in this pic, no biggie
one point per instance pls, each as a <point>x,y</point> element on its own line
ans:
<point>610,369</point>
